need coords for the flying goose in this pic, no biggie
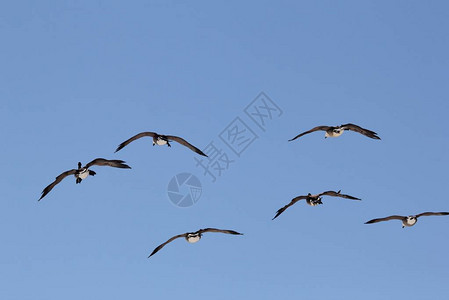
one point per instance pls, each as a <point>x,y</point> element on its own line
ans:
<point>313,200</point>
<point>336,131</point>
<point>82,172</point>
<point>159,139</point>
<point>407,220</point>
<point>193,237</point>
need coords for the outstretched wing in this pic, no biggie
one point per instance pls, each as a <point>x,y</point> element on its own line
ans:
<point>58,180</point>
<point>311,130</point>
<point>137,136</point>
<point>170,240</point>
<point>395,217</point>
<point>219,230</point>
<point>337,194</point>
<point>185,143</point>
<point>366,132</point>
<point>432,214</point>
<point>116,163</point>
<point>294,200</point>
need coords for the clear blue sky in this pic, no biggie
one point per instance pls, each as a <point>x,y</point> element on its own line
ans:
<point>79,77</point>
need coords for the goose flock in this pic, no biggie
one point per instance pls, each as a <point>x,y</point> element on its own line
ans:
<point>82,173</point>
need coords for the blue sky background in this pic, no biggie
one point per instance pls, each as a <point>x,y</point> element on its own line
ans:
<point>79,77</point>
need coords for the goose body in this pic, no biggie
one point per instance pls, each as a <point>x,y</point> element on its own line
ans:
<point>409,221</point>
<point>313,200</point>
<point>193,237</point>
<point>82,174</point>
<point>160,141</point>
<point>333,132</point>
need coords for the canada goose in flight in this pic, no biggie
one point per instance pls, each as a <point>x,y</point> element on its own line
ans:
<point>193,237</point>
<point>313,200</point>
<point>82,172</point>
<point>336,131</point>
<point>159,139</point>
<point>407,220</point>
